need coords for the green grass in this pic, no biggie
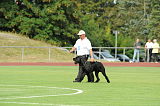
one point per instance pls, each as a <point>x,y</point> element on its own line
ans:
<point>130,86</point>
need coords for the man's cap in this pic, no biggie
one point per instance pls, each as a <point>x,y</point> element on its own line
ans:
<point>81,32</point>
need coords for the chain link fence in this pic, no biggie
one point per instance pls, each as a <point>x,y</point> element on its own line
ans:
<point>61,54</point>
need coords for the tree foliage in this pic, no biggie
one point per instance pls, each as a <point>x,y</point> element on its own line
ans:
<point>153,24</point>
<point>58,21</point>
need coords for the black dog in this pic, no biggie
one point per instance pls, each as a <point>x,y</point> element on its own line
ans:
<point>92,66</point>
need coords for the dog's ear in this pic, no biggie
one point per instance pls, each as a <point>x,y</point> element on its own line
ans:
<point>75,60</point>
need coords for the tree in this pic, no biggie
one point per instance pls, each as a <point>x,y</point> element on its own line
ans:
<point>53,22</point>
<point>57,21</point>
<point>154,24</point>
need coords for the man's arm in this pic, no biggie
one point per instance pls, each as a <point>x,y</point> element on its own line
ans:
<point>91,54</point>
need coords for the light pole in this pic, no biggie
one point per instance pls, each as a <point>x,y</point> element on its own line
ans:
<point>116,36</point>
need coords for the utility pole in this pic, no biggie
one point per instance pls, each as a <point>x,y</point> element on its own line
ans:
<point>116,37</point>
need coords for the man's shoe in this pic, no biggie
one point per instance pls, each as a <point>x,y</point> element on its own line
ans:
<point>76,81</point>
<point>90,81</point>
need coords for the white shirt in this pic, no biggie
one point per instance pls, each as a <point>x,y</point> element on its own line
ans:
<point>149,44</point>
<point>83,46</point>
<point>155,48</point>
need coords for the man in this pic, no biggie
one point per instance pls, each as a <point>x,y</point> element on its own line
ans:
<point>155,51</point>
<point>84,49</point>
<point>137,46</point>
<point>148,47</point>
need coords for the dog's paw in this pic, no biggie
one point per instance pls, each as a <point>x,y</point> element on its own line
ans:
<point>108,81</point>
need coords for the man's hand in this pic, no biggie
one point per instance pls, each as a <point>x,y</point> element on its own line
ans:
<point>70,51</point>
<point>73,49</point>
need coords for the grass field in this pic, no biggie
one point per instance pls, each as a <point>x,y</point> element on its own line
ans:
<point>52,85</point>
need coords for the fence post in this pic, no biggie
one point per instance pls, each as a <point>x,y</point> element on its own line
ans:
<point>49,54</point>
<point>22,58</point>
<point>115,53</point>
<point>99,53</point>
<point>124,52</point>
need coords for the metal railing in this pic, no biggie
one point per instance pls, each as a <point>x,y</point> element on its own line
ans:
<point>49,53</point>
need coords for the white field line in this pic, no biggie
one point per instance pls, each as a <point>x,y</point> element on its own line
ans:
<point>10,89</point>
<point>77,92</point>
<point>45,104</point>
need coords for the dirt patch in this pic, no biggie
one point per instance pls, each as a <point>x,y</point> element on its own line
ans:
<point>125,64</point>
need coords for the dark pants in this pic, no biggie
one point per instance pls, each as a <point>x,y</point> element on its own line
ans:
<point>148,55</point>
<point>82,72</point>
<point>155,57</point>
